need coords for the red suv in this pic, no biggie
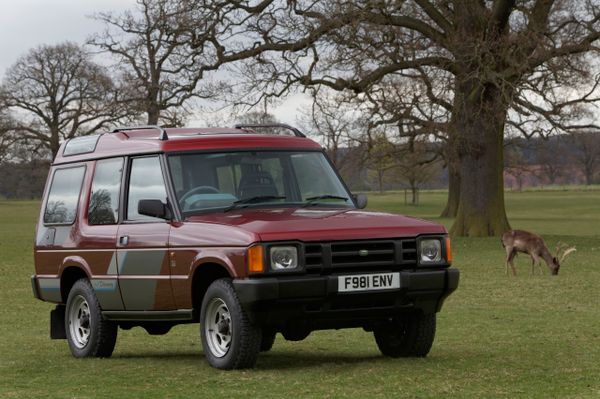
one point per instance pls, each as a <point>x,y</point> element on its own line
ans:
<point>249,234</point>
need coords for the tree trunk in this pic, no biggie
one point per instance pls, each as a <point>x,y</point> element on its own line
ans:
<point>153,115</point>
<point>451,208</point>
<point>589,174</point>
<point>152,101</point>
<point>54,141</point>
<point>481,116</point>
<point>380,180</point>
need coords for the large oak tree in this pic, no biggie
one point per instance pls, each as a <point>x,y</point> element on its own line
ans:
<point>492,66</point>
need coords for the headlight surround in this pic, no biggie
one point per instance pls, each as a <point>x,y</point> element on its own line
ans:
<point>283,257</point>
<point>430,251</point>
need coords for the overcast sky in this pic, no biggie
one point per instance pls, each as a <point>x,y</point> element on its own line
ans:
<point>25,24</point>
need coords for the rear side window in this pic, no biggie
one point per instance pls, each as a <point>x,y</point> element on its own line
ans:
<point>145,182</point>
<point>63,197</point>
<point>106,187</point>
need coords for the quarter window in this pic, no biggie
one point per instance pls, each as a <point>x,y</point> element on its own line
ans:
<point>63,197</point>
<point>104,201</point>
<point>145,182</point>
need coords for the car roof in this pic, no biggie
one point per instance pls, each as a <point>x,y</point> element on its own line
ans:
<point>152,139</point>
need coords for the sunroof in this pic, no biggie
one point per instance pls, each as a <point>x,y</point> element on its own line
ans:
<point>81,145</point>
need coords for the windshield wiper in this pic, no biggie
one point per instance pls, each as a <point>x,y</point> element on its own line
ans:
<point>317,198</point>
<point>252,200</point>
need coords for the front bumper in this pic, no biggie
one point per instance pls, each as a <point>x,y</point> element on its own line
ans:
<point>316,300</point>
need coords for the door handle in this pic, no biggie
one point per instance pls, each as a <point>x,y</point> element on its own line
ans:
<point>123,240</point>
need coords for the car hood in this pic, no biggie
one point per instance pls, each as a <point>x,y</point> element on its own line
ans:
<point>320,224</point>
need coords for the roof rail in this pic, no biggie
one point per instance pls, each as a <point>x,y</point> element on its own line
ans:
<point>297,132</point>
<point>163,132</point>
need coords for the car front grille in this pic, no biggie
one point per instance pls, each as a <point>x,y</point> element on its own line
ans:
<point>352,256</point>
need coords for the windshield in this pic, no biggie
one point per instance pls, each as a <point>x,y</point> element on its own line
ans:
<point>225,181</point>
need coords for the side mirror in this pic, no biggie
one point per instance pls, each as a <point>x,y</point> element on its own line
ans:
<point>360,200</point>
<point>155,208</point>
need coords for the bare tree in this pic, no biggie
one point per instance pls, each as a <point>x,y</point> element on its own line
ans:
<point>516,164</point>
<point>416,166</point>
<point>587,155</point>
<point>381,157</point>
<point>7,134</point>
<point>166,49</point>
<point>257,118</point>
<point>551,159</point>
<point>59,93</point>
<point>502,64</point>
<point>336,123</point>
<point>152,57</point>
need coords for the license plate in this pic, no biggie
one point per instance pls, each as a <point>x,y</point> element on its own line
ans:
<point>368,282</point>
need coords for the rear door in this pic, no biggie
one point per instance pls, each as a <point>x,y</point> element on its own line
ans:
<point>142,241</point>
<point>98,235</point>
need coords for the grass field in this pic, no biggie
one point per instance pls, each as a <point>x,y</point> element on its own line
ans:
<point>498,336</point>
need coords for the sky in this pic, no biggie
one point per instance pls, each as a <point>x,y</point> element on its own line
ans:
<point>25,24</point>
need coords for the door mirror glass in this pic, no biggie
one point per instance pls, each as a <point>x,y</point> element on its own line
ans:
<point>154,208</point>
<point>360,200</point>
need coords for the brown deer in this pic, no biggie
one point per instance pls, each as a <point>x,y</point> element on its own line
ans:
<point>515,241</point>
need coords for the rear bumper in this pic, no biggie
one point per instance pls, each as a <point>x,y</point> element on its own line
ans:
<point>35,287</point>
<point>315,299</point>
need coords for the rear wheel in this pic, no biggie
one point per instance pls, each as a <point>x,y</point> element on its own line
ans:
<point>229,339</point>
<point>410,336</point>
<point>88,334</point>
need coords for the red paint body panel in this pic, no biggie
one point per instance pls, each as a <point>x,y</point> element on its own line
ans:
<point>320,224</point>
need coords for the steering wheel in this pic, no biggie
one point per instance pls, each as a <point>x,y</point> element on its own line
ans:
<point>198,190</point>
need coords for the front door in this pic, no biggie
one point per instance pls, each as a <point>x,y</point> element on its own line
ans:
<point>142,242</point>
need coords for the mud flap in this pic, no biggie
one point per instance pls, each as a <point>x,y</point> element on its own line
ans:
<point>57,323</point>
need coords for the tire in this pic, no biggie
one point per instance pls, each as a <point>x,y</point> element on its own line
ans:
<point>410,336</point>
<point>267,340</point>
<point>229,339</point>
<point>88,334</point>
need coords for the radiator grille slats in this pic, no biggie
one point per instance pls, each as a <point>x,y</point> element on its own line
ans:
<point>367,255</point>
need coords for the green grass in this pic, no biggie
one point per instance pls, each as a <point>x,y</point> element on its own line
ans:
<point>498,336</point>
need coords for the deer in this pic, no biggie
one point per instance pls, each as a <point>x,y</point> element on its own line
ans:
<point>515,241</point>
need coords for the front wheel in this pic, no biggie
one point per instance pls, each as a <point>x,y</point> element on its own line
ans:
<point>267,340</point>
<point>88,334</point>
<point>229,339</point>
<point>410,336</point>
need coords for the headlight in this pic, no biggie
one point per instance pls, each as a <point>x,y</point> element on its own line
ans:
<point>283,258</point>
<point>431,251</point>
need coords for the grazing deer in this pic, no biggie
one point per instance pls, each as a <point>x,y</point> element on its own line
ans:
<point>515,241</point>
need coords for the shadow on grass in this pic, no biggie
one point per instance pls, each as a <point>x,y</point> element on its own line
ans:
<point>287,360</point>
<point>275,360</point>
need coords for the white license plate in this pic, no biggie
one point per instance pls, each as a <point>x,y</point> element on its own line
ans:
<point>368,282</point>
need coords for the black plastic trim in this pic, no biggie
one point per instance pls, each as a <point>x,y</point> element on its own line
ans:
<point>439,283</point>
<point>148,315</point>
